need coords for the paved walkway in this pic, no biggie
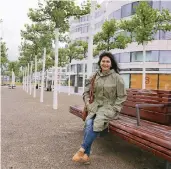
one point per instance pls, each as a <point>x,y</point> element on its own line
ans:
<point>34,136</point>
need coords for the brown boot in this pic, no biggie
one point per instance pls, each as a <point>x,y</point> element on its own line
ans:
<point>85,159</point>
<point>78,156</point>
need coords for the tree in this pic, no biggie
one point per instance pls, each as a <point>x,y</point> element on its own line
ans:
<point>4,56</point>
<point>36,37</point>
<point>144,24</point>
<point>58,13</point>
<point>83,45</point>
<point>14,66</point>
<point>73,52</point>
<point>108,38</point>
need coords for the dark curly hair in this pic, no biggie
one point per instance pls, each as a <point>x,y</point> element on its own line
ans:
<point>112,59</point>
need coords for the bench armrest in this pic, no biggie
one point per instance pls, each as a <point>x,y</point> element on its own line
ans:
<point>138,106</point>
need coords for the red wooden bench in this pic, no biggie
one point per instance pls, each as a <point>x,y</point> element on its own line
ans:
<point>145,120</point>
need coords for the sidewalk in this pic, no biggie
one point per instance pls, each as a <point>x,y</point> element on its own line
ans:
<point>34,136</point>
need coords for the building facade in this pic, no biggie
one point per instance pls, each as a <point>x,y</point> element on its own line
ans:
<point>158,54</point>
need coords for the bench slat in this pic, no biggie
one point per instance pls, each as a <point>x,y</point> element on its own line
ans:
<point>143,141</point>
<point>142,132</point>
<point>155,152</point>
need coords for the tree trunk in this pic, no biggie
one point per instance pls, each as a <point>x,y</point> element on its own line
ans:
<point>70,59</point>
<point>55,97</point>
<point>144,68</point>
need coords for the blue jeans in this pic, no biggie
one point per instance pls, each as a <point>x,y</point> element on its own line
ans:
<point>89,136</point>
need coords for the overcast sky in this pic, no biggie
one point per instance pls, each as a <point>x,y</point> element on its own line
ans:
<point>14,16</point>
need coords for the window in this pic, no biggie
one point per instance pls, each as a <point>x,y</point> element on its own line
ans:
<point>95,67</point>
<point>165,35</point>
<point>136,56</point>
<point>126,78</point>
<point>166,5</point>
<point>115,15</point>
<point>156,5</point>
<point>152,56</point>
<point>165,56</point>
<point>84,29</point>
<point>124,57</point>
<point>72,68</point>
<point>99,24</point>
<point>116,56</point>
<point>126,10</point>
<point>134,5</point>
<point>156,36</point>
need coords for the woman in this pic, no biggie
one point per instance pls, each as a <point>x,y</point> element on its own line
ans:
<point>109,95</point>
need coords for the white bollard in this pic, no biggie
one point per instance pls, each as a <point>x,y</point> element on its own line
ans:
<point>42,81</point>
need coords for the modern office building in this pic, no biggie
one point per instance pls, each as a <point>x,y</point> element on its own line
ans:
<point>158,55</point>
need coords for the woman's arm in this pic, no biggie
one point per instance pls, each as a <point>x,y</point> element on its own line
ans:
<point>121,94</point>
<point>86,94</point>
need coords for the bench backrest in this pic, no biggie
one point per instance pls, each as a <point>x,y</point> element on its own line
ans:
<point>155,114</point>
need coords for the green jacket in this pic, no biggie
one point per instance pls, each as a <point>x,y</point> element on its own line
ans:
<point>109,95</point>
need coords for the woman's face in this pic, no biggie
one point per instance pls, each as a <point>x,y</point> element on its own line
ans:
<point>105,63</point>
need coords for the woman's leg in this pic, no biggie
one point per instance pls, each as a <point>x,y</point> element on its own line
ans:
<point>88,126</point>
<point>89,136</point>
<point>79,155</point>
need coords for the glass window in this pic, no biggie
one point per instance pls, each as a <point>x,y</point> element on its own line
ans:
<point>156,5</point>
<point>124,57</point>
<point>157,35</point>
<point>152,56</point>
<point>126,10</point>
<point>136,56</point>
<point>126,78</point>
<point>134,4</point>
<point>116,57</point>
<point>117,14</point>
<point>73,68</point>
<point>95,67</point>
<point>166,5</point>
<point>168,35</point>
<point>165,35</point>
<point>165,56</point>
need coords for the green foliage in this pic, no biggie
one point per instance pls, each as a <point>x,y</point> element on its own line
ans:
<point>58,12</point>
<point>146,22</point>
<point>14,66</point>
<point>4,56</point>
<point>35,38</point>
<point>73,52</point>
<point>108,38</point>
<point>83,48</point>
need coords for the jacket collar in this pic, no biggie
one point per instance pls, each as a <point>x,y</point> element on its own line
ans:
<point>106,73</point>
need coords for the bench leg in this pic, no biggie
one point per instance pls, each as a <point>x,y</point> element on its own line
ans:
<point>168,165</point>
